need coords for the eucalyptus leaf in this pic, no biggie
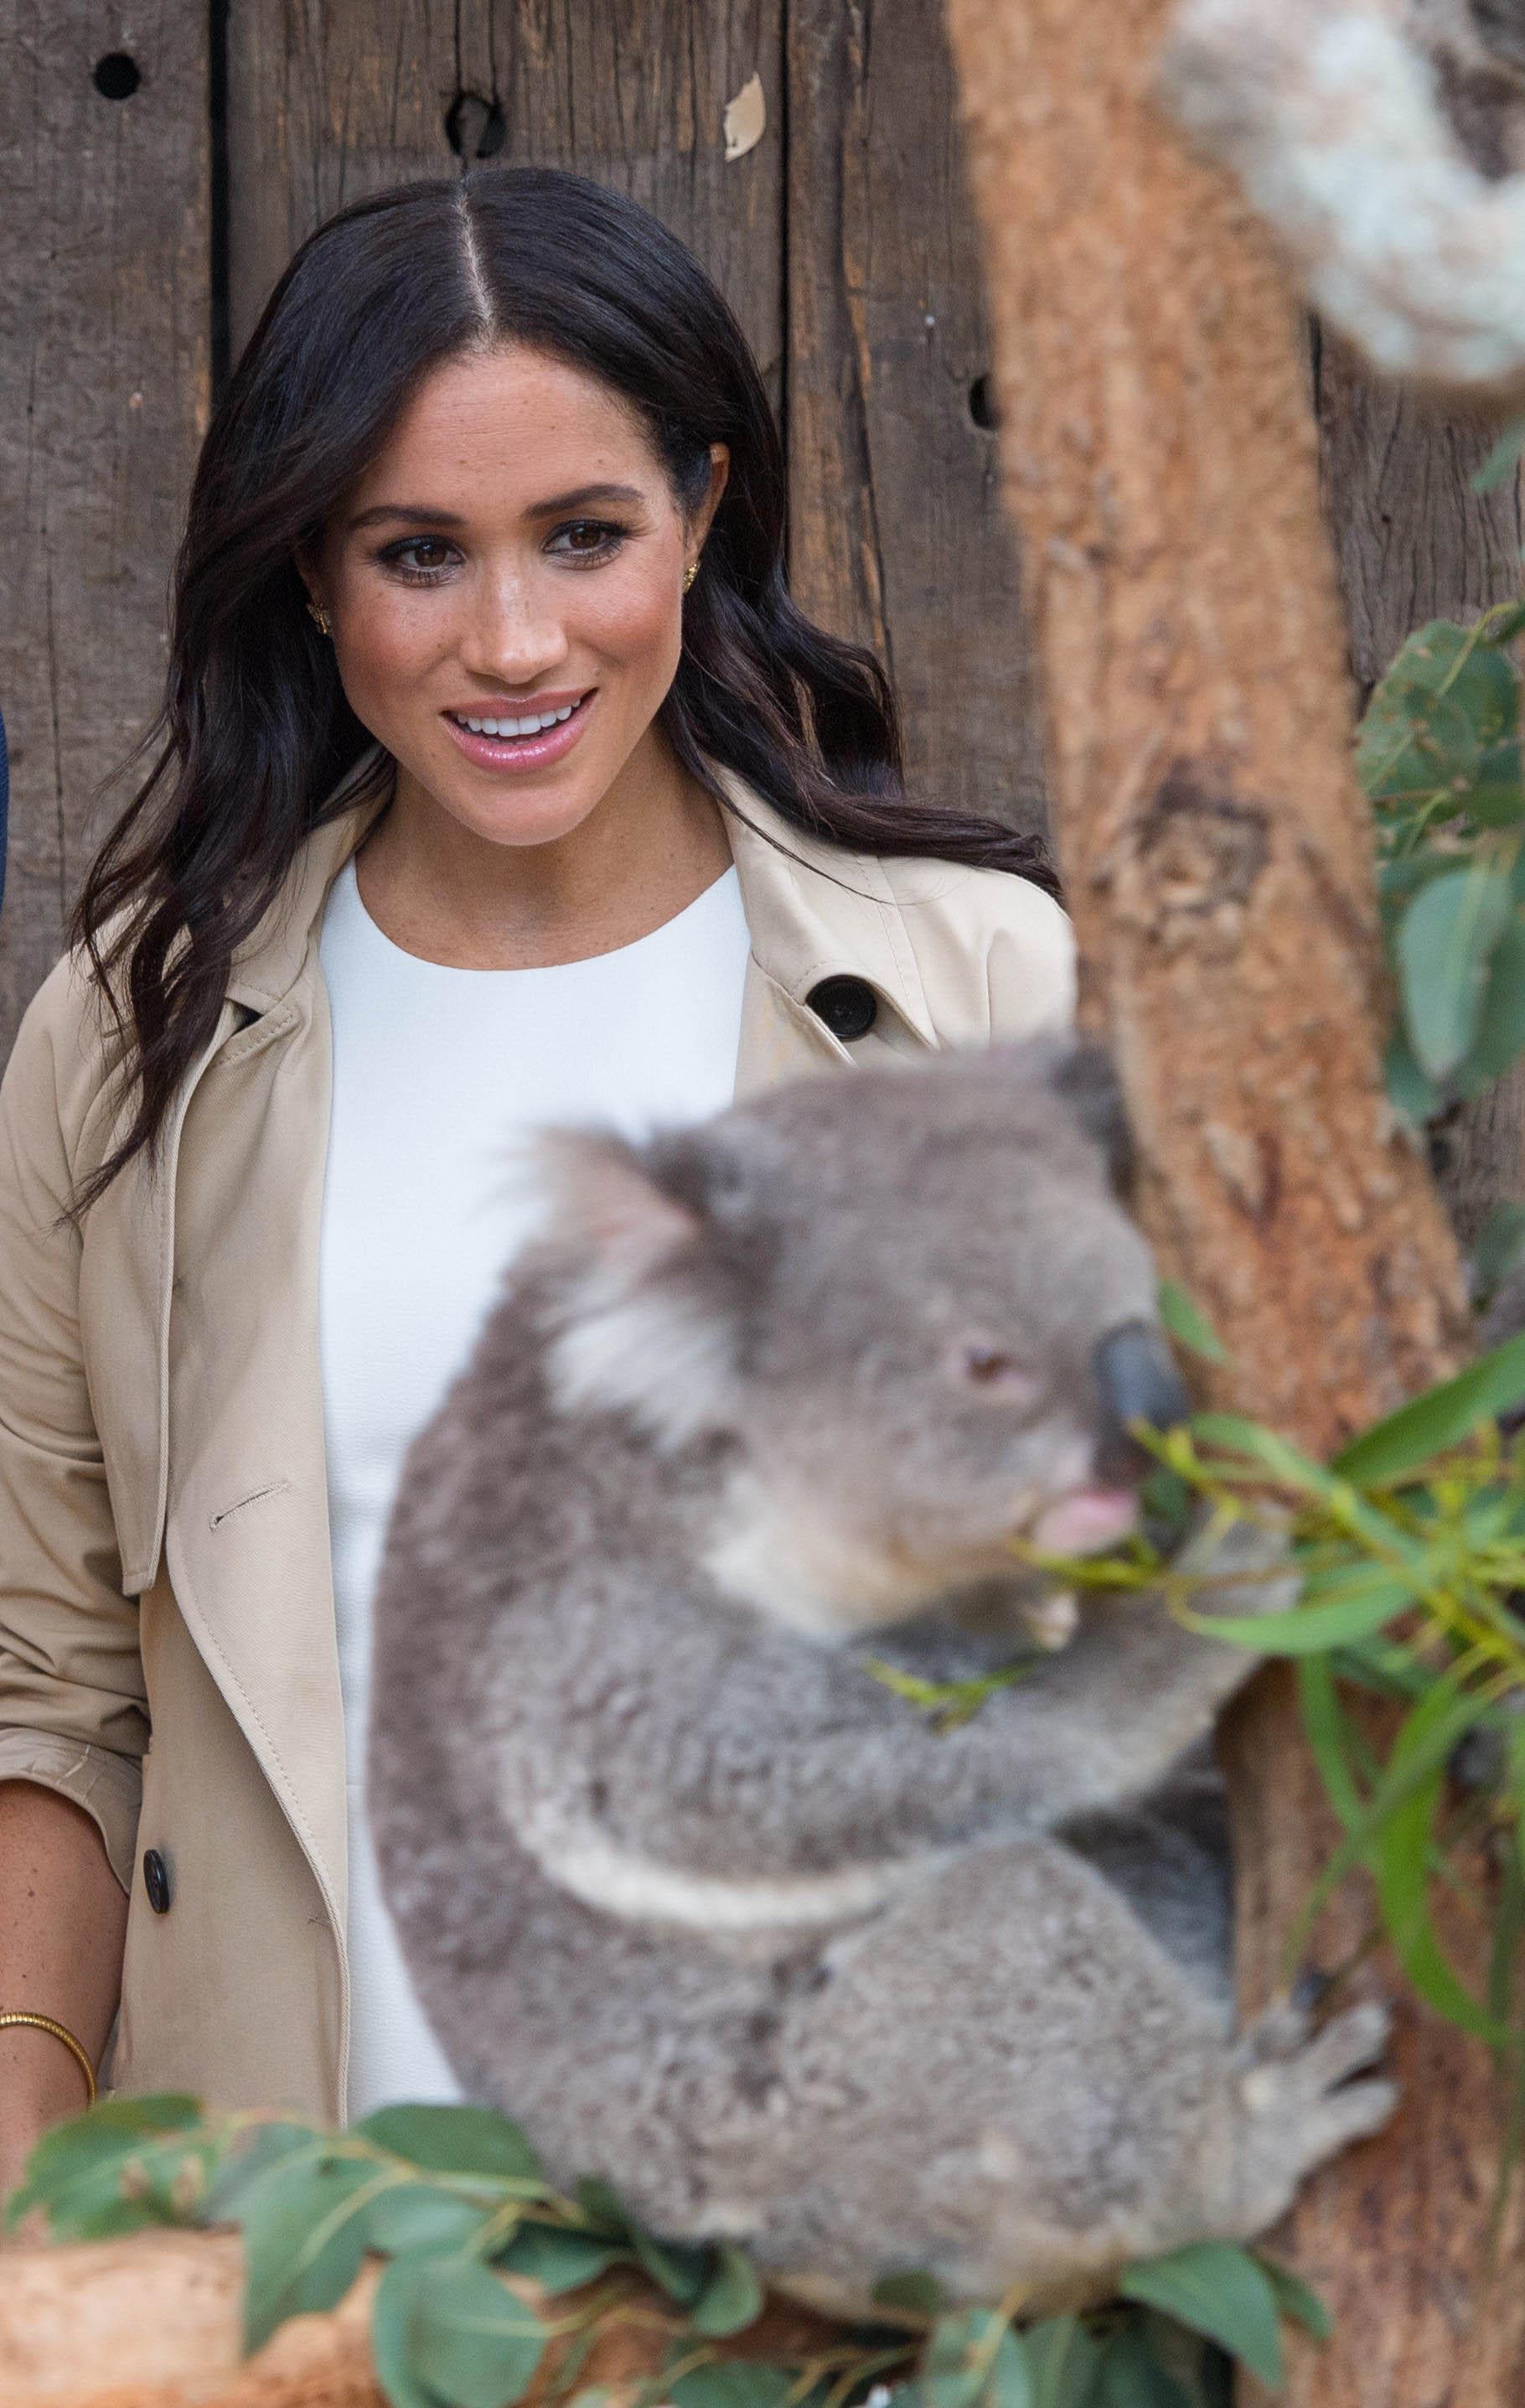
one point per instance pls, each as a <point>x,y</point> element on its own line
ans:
<point>676,2268</point>
<point>255,2156</point>
<point>974,2356</point>
<point>1499,1251</point>
<point>394,2313</point>
<point>1297,2299</point>
<point>474,2342</point>
<point>1275,1455</point>
<point>456,2141</point>
<point>1403,1848</point>
<point>1414,1097</point>
<point>602,2204</point>
<point>915,2292</point>
<point>1188,1325</point>
<point>732,2298</point>
<point>1500,1038</point>
<point>1503,460</point>
<point>1506,624</point>
<point>1327,1734</point>
<point>1132,2377</point>
<point>732,2383</point>
<point>1486,779</point>
<point>1399,758</point>
<point>416,2217</point>
<point>1374,1598</point>
<point>303,2238</point>
<point>557,2259</point>
<point>1219,2291</point>
<point>1064,2362</point>
<point>79,2173</point>
<point>1442,1417</point>
<point>1444,946</point>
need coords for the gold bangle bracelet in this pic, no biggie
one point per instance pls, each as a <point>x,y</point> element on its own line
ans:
<point>12,2018</point>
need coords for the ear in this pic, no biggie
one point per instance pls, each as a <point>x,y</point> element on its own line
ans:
<point>643,1322</point>
<point>1086,1080</point>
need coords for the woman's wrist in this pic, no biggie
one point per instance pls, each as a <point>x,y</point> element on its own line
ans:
<point>40,2085</point>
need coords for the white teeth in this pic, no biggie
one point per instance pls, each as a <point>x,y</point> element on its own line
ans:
<point>515,726</point>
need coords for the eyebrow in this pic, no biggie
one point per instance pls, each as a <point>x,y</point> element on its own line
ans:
<point>421,514</point>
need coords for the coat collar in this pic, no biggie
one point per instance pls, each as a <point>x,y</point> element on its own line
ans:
<point>815,910</point>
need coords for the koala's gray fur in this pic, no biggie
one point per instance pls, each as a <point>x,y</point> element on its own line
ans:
<point>1477,51</point>
<point>707,1907</point>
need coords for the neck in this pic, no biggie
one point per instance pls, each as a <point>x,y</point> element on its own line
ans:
<point>447,893</point>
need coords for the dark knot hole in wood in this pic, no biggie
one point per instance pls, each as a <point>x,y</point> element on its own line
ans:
<point>117,76</point>
<point>474,126</point>
<point>983,407</point>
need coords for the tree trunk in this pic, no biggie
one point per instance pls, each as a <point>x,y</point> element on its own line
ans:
<point>1161,463</point>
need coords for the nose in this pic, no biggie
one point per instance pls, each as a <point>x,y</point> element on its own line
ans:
<point>511,635</point>
<point>1136,1382</point>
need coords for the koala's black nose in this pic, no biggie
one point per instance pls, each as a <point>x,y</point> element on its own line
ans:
<point>1137,1381</point>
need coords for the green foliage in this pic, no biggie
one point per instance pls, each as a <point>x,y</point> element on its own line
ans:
<point>453,2198</point>
<point>1439,754</point>
<point>1411,1547</point>
<point>1219,2291</point>
<point>1187,1324</point>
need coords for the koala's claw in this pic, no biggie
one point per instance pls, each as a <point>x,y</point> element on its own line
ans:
<point>1301,2104</point>
<point>1276,2035</point>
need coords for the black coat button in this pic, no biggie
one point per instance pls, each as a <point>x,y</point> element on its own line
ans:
<point>156,1880</point>
<point>847,1006</point>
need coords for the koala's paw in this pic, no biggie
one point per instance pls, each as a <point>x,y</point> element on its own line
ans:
<point>1247,1569</point>
<point>1298,2103</point>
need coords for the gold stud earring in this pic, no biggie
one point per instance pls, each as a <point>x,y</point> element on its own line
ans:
<point>320,615</point>
<point>689,574</point>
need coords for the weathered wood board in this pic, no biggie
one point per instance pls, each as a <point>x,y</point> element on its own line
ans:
<point>326,104</point>
<point>896,532</point>
<point>104,396</point>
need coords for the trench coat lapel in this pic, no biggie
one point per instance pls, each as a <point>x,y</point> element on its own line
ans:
<point>210,1363</point>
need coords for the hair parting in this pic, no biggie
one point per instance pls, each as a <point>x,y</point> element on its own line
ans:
<point>255,744</point>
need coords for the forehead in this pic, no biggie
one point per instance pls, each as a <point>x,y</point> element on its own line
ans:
<point>501,431</point>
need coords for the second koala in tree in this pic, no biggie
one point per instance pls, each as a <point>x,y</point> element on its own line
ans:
<point>706,1906</point>
<point>1383,140</point>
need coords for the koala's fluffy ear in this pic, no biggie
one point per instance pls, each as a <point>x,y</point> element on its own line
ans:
<point>645,1325</point>
<point>1088,1084</point>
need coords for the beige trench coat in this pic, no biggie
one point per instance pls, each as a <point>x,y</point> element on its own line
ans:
<point>167,1651</point>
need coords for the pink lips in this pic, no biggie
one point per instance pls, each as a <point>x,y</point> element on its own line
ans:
<point>1085,1521</point>
<point>513,752</point>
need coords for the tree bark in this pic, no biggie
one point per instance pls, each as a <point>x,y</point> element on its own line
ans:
<point>156,2321</point>
<point>1161,463</point>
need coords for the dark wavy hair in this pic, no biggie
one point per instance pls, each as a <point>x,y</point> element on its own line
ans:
<point>254,733</point>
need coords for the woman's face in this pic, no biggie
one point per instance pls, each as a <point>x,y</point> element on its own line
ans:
<point>515,552</point>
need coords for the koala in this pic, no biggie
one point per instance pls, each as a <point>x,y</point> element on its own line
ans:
<point>1476,52</point>
<point>710,1909</point>
<point>1382,141</point>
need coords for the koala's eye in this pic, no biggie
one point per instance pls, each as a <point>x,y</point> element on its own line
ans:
<point>995,1372</point>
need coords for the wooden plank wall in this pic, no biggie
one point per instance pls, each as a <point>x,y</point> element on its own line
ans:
<point>104,342</point>
<point>843,240</point>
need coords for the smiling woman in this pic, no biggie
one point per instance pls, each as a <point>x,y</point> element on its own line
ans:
<point>498,781</point>
<point>511,639</point>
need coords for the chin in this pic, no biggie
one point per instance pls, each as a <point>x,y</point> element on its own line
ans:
<point>529,814</point>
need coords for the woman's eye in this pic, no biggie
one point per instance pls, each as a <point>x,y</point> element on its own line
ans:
<point>588,539</point>
<point>406,556</point>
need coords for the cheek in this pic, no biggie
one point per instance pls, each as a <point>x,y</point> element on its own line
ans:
<point>392,638</point>
<point>627,621</point>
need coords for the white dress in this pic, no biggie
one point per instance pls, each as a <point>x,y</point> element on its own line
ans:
<point>438,1074</point>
